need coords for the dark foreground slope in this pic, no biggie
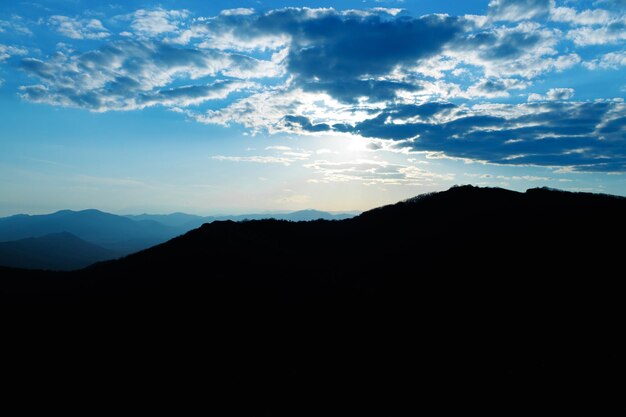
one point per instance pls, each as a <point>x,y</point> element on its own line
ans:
<point>481,300</point>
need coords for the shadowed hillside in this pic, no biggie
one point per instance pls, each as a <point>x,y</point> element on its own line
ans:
<point>469,299</point>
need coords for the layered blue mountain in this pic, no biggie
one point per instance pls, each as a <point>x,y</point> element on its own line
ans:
<point>98,236</point>
<point>109,231</point>
<point>57,251</point>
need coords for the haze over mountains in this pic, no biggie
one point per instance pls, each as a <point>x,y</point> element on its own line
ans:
<point>89,236</point>
<point>471,298</point>
<point>188,221</point>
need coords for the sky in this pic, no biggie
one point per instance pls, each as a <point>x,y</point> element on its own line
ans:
<point>220,107</point>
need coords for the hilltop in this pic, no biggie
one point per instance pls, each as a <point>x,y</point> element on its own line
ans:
<point>492,299</point>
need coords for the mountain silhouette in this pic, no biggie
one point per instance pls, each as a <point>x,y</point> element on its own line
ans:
<point>469,299</point>
<point>119,235</point>
<point>58,251</point>
<point>186,222</point>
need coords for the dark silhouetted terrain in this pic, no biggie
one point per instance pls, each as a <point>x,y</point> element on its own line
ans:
<point>115,235</point>
<point>58,251</point>
<point>186,222</point>
<point>471,300</point>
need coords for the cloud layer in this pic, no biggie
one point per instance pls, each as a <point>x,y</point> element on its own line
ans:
<point>428,84</point>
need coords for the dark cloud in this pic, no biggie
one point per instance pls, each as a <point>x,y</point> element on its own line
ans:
<point>350,90</point>
<point>586,136</point>
<point>303,123</point>
<point>345,53</point>
<point>328,51</point>
<point>510,46</point>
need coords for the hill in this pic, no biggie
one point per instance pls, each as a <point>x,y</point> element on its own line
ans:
<point>469,299</point>
<point>58,251</point>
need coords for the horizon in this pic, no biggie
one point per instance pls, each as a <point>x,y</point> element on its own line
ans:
<point>124,214</point>
<point>279,212</point>
<point>246,107</point>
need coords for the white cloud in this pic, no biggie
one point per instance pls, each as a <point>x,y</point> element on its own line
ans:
<point>78,28</point>
<point>372,172</point>
<point>237,12</point>
<point>553,94</point>
<point>193,94</point>
<point>127,75</point>
<point>286,156</point>
<point>611,60</point>
<point>585,36</point>
<point>266,110</point>
<point>255,159</point>
<point>15,26</point>
<point>586,17</point>
<point>278,148</point>
<point>186,35</point>
<point>526,50</point>
<point>515,10</point>
<point>157,21</point>
<point>7,51</point>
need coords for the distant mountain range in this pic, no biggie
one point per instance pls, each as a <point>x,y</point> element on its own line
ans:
<point>89,236</point>
<point>469,299</point>
<point>189,221</point>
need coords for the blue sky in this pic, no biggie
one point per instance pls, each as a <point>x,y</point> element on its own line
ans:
<point>242,106</point>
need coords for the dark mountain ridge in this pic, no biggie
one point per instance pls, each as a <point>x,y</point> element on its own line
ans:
<point>472,298</point>
<point>121,235</point>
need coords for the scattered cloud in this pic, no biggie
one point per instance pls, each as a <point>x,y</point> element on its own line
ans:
<point>553,94</point>
<point>585,17</point>
<point>130,75</point>
<point>609,34</point>
<point>15,26</point>
<point>382,75</point>
<point>526,50</point>
<point>278,148</point>
<point>258,159</point>
<point>7,51</point>
<point>78,28</point>
<point>611,60</point>
<point>514,10</point>
<point>372,172</point>
<point>154,22</point>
